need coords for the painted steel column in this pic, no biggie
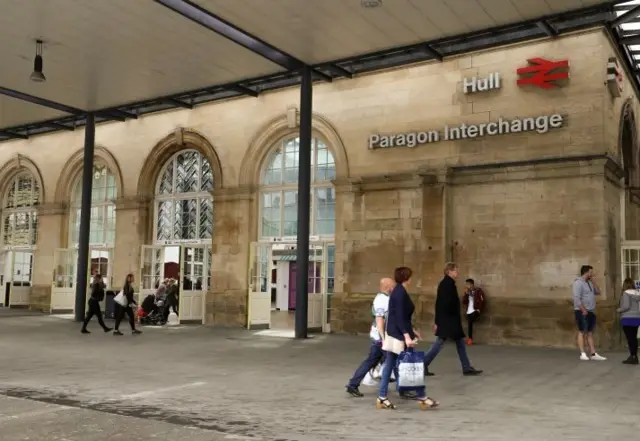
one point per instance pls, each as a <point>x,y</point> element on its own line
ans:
<point>304,205</point>
<point>85,217</point>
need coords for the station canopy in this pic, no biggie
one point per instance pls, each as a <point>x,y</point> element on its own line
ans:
<point>120,59</point>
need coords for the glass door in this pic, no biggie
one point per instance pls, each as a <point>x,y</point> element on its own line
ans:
<point>193,283</point>
<point>64,274</point>
<point>315,311</point>
<point>21,274</point>
<point>151,270</point>
<point>260,266</point>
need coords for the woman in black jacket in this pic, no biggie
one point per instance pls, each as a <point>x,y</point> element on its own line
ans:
<point>127,290</point>
<point>97,295</point>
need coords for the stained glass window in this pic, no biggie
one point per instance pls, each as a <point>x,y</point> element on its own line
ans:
<point>20,216</point>
<point>279,194</point>
<point>184,203</point>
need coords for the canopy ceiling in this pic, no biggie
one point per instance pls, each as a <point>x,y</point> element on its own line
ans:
<point>124,58</point>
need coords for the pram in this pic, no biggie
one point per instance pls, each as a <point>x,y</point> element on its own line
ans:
<point>150,312</point>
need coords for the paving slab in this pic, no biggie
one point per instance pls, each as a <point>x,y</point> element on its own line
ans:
<point>203,383</point>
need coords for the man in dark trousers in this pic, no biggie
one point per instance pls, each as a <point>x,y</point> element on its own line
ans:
<point>448,320</point>
<point>97,295</point>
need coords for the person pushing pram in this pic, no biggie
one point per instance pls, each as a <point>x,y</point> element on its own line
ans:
<point>152,307</point>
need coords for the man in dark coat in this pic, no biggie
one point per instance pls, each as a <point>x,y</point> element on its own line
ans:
<point>448,321</point>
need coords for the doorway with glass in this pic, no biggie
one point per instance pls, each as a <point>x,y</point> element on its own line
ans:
<point>185,265</point>
<point>180,256</point>
<point>16,264</point>
<point>272,285</point>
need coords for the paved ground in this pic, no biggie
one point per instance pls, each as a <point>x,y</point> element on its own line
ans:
<point>208,384</point>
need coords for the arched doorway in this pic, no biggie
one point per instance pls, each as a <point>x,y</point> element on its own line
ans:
<point>19,234</point>
<point>182,230</point>
<point>102,236</point>
<point>273,269</point>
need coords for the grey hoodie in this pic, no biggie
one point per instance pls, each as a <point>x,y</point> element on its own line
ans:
<point>630,304</point>
<point>584,294</point>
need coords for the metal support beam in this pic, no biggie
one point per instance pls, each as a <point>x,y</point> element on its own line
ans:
<point>177,103</point>
<point>547,28</point>
<point>85,217</point>
<point>339,70</point>
<point>626,17</point>
<point>630,40</point>
<point>40,101</point>
<point>244,90</point>
<point>117,113</point>
<point>304,205</point>
<point>432,52</point>
<point>13,135</point>
<point>222,27</point>
<point>323,76</point>
<point>58,126</point>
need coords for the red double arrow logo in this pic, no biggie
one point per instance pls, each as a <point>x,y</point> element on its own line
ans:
<point>543,73</point>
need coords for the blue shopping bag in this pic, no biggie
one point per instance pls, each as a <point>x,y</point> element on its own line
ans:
<point>410,370</point>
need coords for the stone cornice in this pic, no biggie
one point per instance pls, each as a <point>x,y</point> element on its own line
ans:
<point>52,209</point>
<point>390,181</point>
<point>228,194</point>
<point>536,169</point>
<point>132,203</point>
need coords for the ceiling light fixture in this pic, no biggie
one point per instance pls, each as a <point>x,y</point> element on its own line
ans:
<point>37,74</point>
<point>370,3</point>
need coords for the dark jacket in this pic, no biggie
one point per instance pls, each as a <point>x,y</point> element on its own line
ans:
<point>172,296</point>
<point>448,317</point>
<point>97,291</point>
<point>128,292</point>
<point>478,299</point>
<point>401,309</point>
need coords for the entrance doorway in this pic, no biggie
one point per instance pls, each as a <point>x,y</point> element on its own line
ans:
<point>272,285</point>
<point>188,265</point>
<point>65,273</point>
<point>16,277</point>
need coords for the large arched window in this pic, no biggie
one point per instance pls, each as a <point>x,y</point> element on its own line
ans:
<point>104,192</point>
<point>184,203</point>
<point>279,193</point>
<point>20,217</point>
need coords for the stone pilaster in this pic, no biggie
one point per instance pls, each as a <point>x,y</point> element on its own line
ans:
<point>52,231</point>
<point>132,231</point>
<point>385,222</point>
<point>227,297</point>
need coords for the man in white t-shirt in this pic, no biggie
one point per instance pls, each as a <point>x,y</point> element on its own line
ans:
<point>379,311</point>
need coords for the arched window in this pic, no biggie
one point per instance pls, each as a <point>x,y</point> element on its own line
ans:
<point>279,193</point>
<point>104,192</point>
<point>184,203</point>
<point>20,216</point>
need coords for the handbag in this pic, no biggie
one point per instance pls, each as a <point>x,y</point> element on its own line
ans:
<point>410,370</point>
<point>121,299</point>
<point>391,344</point>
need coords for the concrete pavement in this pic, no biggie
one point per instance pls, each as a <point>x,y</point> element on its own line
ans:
<point>214,384</point>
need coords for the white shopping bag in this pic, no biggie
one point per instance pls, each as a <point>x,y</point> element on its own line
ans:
<point>370,381</point>
<point>411,374</point>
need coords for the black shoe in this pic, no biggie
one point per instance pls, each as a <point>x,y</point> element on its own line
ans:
<point>116,332</point>
<point>84,331</point>
<point>136,332</point>
<point>428,373</point>
<point>108,329</point>
<point>471,372</point>
<point>354,392</point>
<point>631,360</point>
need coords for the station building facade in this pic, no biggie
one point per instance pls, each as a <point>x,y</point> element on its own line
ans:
<point>520,176</point>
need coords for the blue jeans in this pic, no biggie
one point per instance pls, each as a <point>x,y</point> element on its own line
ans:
<point>390,364</point>
<point>435,349</point>
<point>376,355</point>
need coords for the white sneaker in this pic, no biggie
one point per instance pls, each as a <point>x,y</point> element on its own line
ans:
<point>598,357</point>
<point>584,357</point>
